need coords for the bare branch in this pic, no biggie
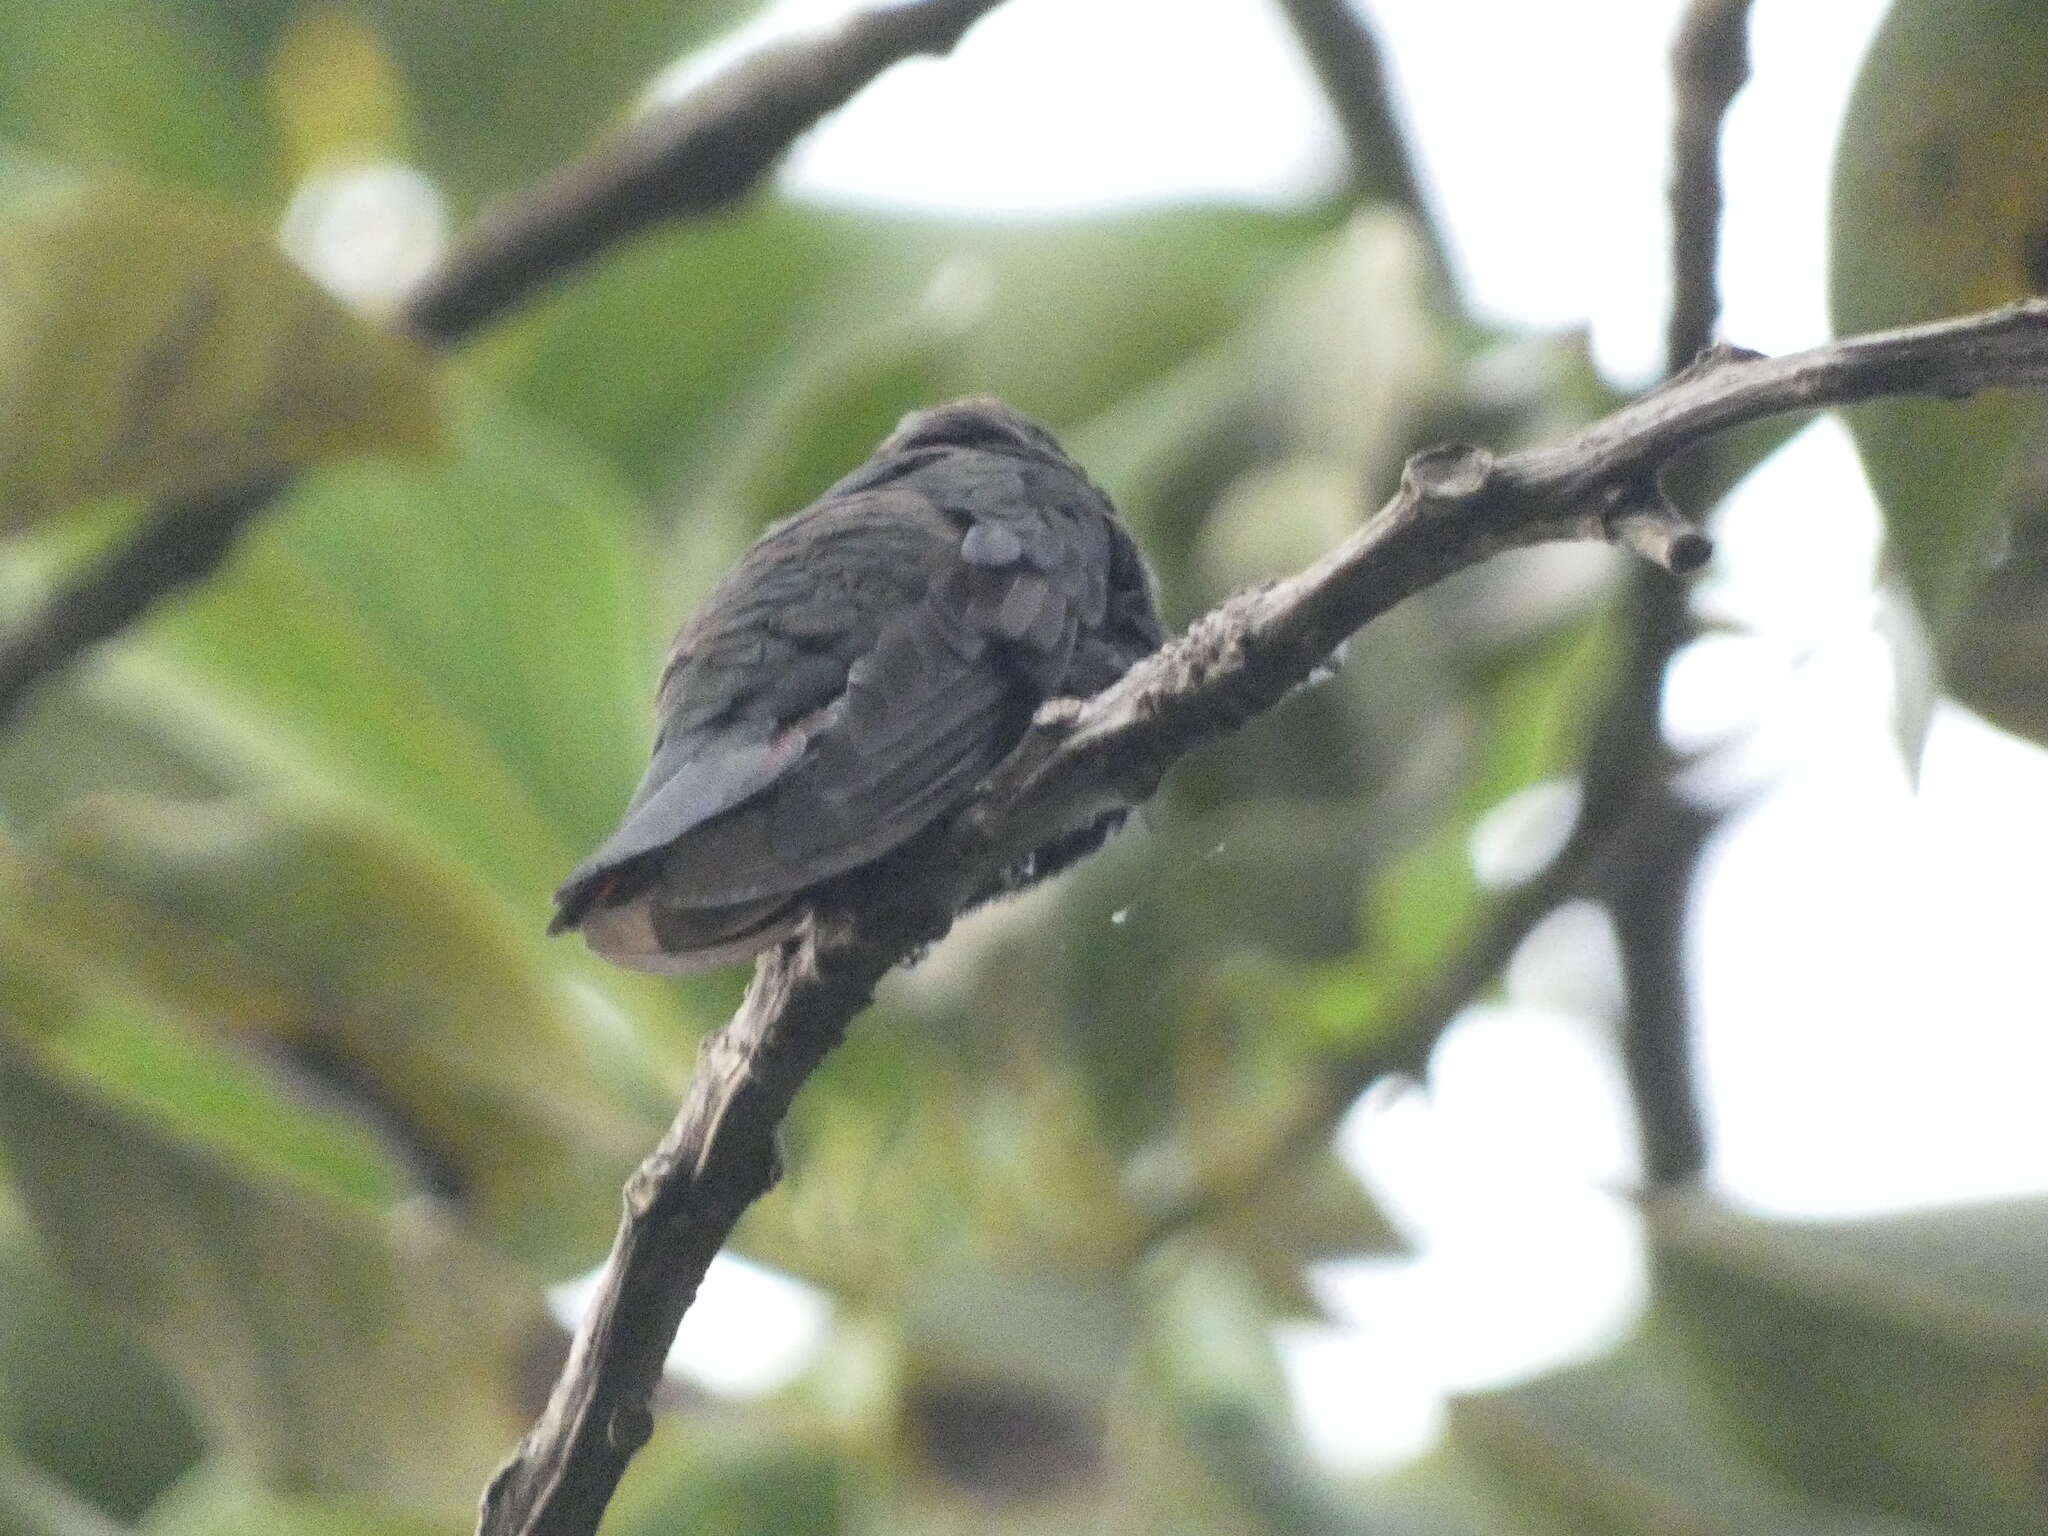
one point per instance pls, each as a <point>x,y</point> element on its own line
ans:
<point>1649,893</point>
<point>1346,55</point>
<point>181,541</point>
<point>1709,65</point>
<point>718,1157</point>
<point>1635,840</point>
<point>1456,507</point>
<point>682,163</point>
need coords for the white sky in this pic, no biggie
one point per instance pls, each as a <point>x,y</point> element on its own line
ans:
<point>1867,956</point>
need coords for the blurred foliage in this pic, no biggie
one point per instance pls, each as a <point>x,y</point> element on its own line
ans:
<point>298,1111</point>
<point>1940,208</point>
<point>158,343</point>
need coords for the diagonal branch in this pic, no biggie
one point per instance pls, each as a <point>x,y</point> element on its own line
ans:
<point>1650,893</point>
<point>696,157</point>
<point>1709,67</point>
<point>182,540</point>
<point>682,162</point>
<point>1345,53</point>
<point>1456,507</point>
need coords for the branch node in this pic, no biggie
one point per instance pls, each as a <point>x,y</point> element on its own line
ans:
<point>630,1427</point>
<point>1722,354</point>
<point>1664,536</point>
<point>1057,715</point>
<point>1450,472</point>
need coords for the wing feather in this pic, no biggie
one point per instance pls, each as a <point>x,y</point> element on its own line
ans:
<point>848,682</point>
<point>690,781</point>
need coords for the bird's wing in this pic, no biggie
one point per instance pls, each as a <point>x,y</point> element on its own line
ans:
<point>755,673</point>
<point>867,708</point>
<point>924,713</point>
<point>937,700</point>
<point>694,776</point>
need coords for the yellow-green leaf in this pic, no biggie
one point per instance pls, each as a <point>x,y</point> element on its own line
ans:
<point>1623,1446</point>
<point>1898,1367</point>
<point>383,966</point>
<point>332,1350</point>
<point>1941,207</point>
<point>335,91</point>
<point>156,343</point>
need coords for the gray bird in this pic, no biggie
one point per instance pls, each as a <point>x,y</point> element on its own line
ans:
<point>852,677</point>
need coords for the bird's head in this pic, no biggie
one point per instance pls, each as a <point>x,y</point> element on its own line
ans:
<point>979,421</point>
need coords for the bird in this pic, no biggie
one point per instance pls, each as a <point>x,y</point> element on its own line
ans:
<point>853,676</point>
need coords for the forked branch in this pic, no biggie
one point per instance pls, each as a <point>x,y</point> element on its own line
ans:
<point>1456,507</point>
<point>684,161</point>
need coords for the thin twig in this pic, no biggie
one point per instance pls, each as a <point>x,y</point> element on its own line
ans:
<point>1709,67</point>
<point>683,162</point>
<point>1346,55</point>
<point>1649,894</point>
<point>1401,1043</point>
<point>680,162</point>
<point>1456,507</point>
<point>1649,897</point>
<point>183,540</point>
<point>718,1157</point>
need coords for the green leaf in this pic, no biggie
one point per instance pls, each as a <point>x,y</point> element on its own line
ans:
<point>1212,1358</point>
<point>379,967</point>
<point>129,85</point>
<point>198,1083</point>
<point>498,93</point>
<point>240,96</point>
<point>221,1499</point>
<point>1939,201</point>
<point>1997,653</point>
<point>699,333</point>
<point>1002,1171</point>
<point>760,1477</point>
<point>329,1349</point>
<point>1313,1212</point>
<point>1896,1367</point>
<point>1062,1331</point>
<point>76,736</point>
<point>79,1403</point>
<point>461,643</point>
<point>33,1504</point>
<point>154,343</point>
<point>1524,727</point>
<point>1446,1494</point>
<point>1624,1445</point>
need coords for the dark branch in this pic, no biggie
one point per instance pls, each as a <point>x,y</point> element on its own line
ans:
<point>1649,896</point>
<point>1650,893</point>
<point>1346,55</point>
<point>681,163</point>
<point>1456,507</point>
<point>718,1157</point>
<point>181,541</point>
<point>1709,65</point>
<point>684,161</point>
<point>1402,1039</point>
